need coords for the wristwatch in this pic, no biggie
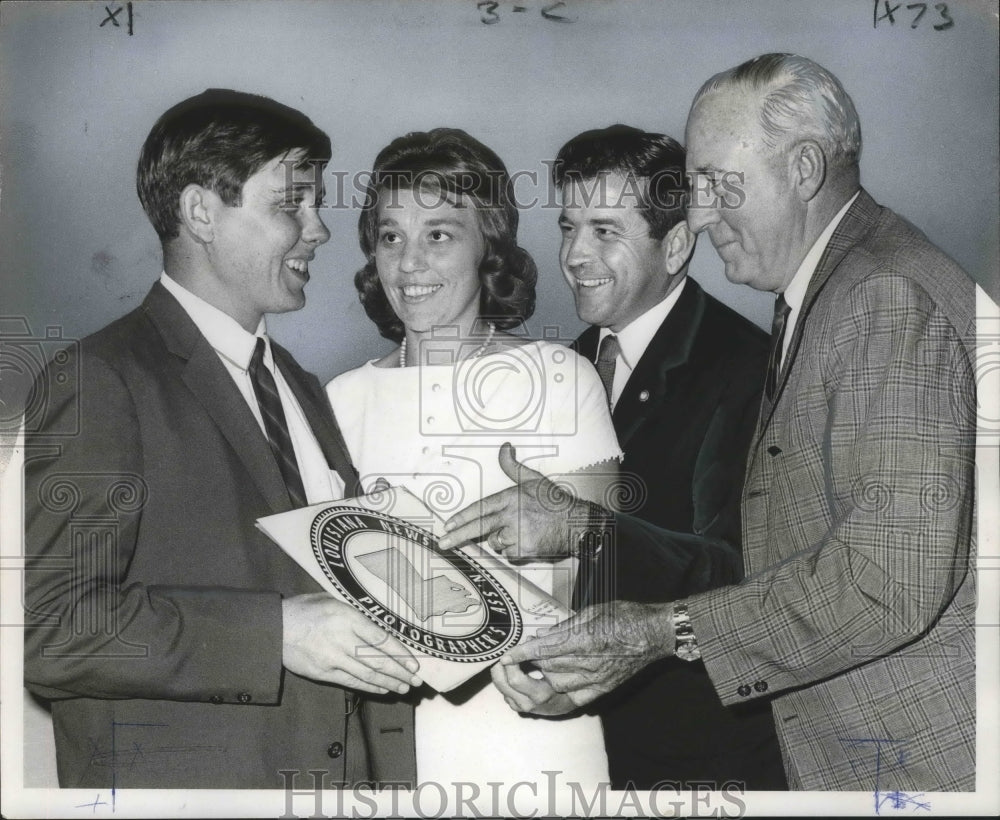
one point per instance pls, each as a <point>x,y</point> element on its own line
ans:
<point>596,534</point>
<point>685,643</point>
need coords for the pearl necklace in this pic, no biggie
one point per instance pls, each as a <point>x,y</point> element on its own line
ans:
<point>479,351</point>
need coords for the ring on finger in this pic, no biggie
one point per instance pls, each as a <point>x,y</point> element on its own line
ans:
<point>502,540</point>
<point>497,541</point>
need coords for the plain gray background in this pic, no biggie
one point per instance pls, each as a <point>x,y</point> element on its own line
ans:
<point>78,99</point>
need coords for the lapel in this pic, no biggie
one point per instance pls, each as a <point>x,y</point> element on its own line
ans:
<point>586,343</point>
<point>321,421</point>
<point>669,349</point>
<point>207,378</point>
<point>857,222</point>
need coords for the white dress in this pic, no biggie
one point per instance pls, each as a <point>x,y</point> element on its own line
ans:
<point>436,430</point>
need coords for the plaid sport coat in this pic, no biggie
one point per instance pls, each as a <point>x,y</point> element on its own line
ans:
<point>857,613</point>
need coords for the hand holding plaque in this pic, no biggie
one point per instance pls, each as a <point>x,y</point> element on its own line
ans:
<point>457,611</point>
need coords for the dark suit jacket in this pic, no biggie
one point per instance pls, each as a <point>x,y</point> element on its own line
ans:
<point>684,421</point>
<point>153,602</point>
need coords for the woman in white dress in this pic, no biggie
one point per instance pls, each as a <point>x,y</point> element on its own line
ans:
<point>446,279</point>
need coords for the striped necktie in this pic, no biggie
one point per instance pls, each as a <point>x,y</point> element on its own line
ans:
<point>781,311</point>
<point>274,423</point>
<point>605,363</point>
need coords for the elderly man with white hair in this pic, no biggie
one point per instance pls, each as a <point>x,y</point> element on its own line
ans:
<point>855,617</point>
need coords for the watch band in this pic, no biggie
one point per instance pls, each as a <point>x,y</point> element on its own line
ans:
<point>685,643</point>
<point>596,534</point>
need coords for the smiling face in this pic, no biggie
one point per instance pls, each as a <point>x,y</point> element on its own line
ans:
<point>615,269</point>
<point>760,236</point>
<point>427,253</point>
<point>261,249</point>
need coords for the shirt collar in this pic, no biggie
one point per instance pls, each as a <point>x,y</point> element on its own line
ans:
<point>635,337</point>
<point>221,330</point>
<point>795,293</point>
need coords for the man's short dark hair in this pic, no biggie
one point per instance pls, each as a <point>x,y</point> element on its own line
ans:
<point>652,163</point>
<point>218,139</point>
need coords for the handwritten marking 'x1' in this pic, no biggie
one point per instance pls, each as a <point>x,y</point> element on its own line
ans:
<point>112,16</point>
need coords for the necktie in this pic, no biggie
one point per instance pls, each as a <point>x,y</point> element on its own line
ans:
<point>781,311</point>
<point>605,363</point>
<point>274,423</point>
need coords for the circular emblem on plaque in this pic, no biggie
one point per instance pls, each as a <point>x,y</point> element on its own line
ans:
<point>445,604</point>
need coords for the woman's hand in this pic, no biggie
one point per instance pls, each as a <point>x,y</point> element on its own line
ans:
<point>529,692</point>
<point>380,485</point>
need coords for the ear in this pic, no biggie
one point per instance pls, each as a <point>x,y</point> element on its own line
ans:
<point>198,209</point>
<point>808,168</point>
<point>678,246</point>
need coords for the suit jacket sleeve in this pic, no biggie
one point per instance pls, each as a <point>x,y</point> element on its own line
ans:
<point>90,633</point>
<point>689,445</point>
<point>645,563</point>
<point>868,529</point>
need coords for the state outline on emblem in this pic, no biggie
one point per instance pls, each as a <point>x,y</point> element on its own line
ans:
<point>330,534</point>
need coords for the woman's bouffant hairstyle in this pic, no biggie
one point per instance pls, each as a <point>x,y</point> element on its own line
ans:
<point>454,167</point>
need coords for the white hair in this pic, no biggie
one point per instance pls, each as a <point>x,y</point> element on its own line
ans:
<point>800,99</point>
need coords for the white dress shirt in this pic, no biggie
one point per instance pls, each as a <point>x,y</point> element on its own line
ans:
<point>635,337</point>
<point>795,293</point>
<point>235,347</point>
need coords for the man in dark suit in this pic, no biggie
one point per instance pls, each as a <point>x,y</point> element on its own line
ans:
<point>856,619</point>
<point>178,646</point>
<point>684,376</point>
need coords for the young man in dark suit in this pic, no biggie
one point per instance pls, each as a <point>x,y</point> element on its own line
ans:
<point>178,646</point>
<point>684,377</point>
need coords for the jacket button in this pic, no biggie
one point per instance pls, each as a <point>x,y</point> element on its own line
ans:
<point>216,699</point>
<point>773,450</point>
<point>335,749</point>
<point>243,697</point>
<point>760,686</point>
<point>743,691</point>
<point>644,395</point>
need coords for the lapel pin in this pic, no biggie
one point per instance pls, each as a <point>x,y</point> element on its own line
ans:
<point>644,395</point>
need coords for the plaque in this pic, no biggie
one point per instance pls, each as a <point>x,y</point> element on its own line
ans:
<point>458,611</point>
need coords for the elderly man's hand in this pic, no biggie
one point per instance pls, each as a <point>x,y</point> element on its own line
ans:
<point>529,520</point>
<point>599,648</point>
